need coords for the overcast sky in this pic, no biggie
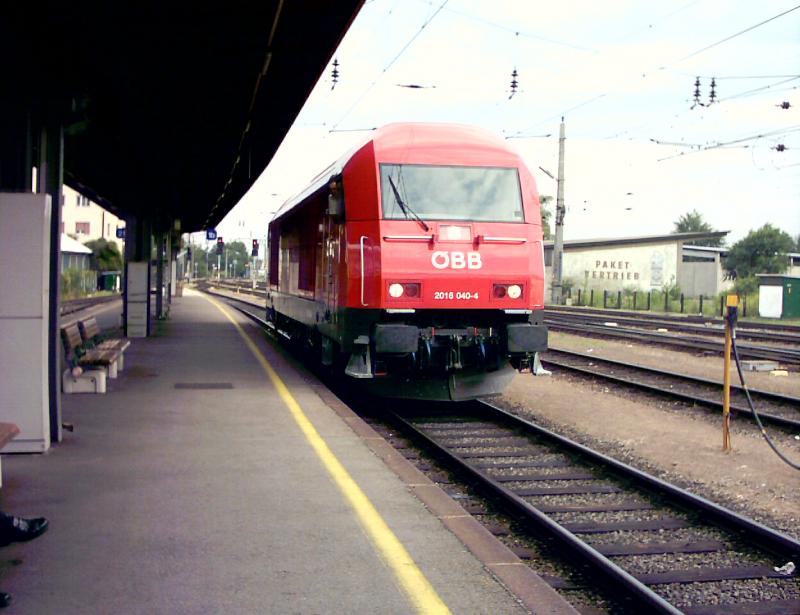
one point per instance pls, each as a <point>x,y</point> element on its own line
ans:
<point>622,74</point>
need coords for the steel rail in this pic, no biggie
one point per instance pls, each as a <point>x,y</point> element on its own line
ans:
<point>767,538</point>
<point>671,317</point>
<point>625,583</point>
<point>744,410</point>
<point>716,330</point>
<point>749,350</point>
<point>76,305</point>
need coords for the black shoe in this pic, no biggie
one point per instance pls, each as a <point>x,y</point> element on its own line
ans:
<point>5,599</point>
<point>22,530</point>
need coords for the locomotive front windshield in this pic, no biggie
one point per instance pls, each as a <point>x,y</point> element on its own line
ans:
<point>426,192</point>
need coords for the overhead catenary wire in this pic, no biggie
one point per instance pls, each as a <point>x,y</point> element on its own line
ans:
<point>667,66</point>
<point>388,66</point>
<point>734,142</point>
<point>732,36</point>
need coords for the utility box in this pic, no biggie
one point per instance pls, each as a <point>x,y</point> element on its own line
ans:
<point>24,319</point>
<point>778,295</point>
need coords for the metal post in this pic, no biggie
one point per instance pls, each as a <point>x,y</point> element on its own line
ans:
<point>160,275</point>
<point>681,303</point>
<point>666,300</point>
<point>619,299</point>
<point>635,294</point>
<point>605,299</point>
<point>558,244</point>
<point>701,305</point>
<point>649,298</point>
<point>591,298</point>
<point>732,303</point>
<point>50,178</point>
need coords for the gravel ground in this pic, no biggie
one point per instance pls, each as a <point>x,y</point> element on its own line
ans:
<point>657,536</point>
<point>643,564</point>
<point>728,592</point>
<point>663,438</point>
<point>613,516</point>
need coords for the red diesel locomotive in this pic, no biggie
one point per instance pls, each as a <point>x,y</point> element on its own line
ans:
<point>415,263</point>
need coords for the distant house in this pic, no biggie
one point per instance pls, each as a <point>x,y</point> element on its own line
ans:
<point>651,262</point>
<point>86,220</point>
<point>74,255</point>
<point>794,264</point>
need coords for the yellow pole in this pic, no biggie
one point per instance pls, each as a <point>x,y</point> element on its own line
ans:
<point>732,302</point>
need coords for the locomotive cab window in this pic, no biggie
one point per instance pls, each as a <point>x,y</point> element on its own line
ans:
<point>428,192</point>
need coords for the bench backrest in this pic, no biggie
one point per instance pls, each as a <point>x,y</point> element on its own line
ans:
<point>89,330</point>
<point>71,338</point>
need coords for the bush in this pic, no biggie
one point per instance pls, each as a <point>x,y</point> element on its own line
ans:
<point>76,283</point>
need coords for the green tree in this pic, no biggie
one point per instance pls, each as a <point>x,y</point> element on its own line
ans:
<point>105,254</point>
<point>238,258</point>
<point>762,251</point>
<point>693,222</point>
<point>546,214</point>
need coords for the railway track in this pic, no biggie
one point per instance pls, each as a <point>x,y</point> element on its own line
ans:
<point>783,355</point>
<point>654,546</point>
<point>76,305</point>
<point>666,319</point>
<point>650,546</point>
<point>709,328</point>
<point>773,408</point>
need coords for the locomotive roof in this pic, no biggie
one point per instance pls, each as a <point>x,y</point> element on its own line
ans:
<point>462,144</point>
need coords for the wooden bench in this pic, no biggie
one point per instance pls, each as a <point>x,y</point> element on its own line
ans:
<point>94,363</point>
<point>92,338</point>
<point>8,431</point>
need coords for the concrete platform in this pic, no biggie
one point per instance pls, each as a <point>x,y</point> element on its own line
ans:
<point>190,488</point>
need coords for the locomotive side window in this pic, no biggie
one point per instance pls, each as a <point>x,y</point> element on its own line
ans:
<point>489,194</point>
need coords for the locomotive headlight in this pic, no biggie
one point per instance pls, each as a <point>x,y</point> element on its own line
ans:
<point>396,290</point>
<point>514,291</point>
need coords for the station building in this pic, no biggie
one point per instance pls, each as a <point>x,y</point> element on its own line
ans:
<point>645,263</point>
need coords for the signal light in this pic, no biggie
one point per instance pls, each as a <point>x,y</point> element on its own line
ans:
<point>220,245</point>
<point>512,291</point>
<point>254,252</point>
<point>411,290</point>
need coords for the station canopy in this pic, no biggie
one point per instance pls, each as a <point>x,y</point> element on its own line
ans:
<point>170,109</point>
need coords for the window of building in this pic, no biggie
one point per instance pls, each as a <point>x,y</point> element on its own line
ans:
<point>82,228</point>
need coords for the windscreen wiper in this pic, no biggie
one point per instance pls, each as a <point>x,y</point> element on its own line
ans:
<point>406,209</point>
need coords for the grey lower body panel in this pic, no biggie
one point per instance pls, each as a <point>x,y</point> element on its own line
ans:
<point>457,386</point>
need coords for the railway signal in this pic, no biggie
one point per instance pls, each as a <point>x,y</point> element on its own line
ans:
<point>254,252</point>
<point>220,245</point>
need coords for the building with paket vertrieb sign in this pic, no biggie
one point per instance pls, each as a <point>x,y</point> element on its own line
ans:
<point>653,262</point>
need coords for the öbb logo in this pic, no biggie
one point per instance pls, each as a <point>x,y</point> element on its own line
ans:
<point>456,260</point>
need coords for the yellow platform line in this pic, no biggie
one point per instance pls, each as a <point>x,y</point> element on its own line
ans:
<point>413,582</point>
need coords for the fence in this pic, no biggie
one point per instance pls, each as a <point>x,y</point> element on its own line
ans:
<point>658,301</point>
